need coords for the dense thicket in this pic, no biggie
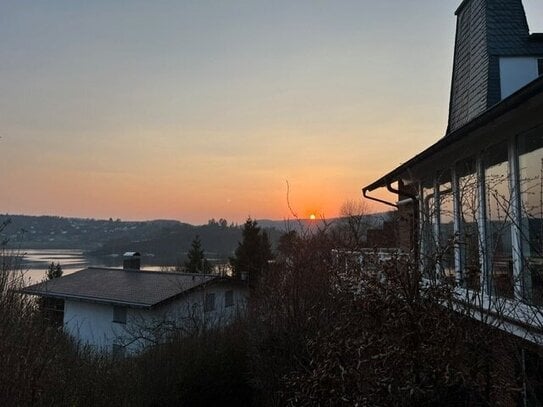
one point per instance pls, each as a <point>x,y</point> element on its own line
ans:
<point>323,328</point>
<point>329,329</point>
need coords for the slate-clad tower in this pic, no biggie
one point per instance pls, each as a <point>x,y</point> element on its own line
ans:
<point>493,43</point>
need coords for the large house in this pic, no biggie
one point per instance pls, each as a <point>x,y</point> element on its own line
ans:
<point>471,205</point>
<point>125,310</point>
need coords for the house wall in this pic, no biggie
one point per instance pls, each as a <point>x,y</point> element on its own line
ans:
<point>92,323</point>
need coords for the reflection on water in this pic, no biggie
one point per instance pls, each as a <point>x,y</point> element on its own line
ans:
<point>35,262</point>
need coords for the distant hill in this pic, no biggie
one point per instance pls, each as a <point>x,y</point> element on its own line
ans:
<point>74,233</point>
<point>312,225</point>
<point>165,241</point>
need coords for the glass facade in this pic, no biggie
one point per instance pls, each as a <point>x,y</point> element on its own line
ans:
<point>482,220</point>
<point>428,230</point>
<point>446,226</point>
<point>530,149</point>
<point>499,210</point>
<point>468,196</point>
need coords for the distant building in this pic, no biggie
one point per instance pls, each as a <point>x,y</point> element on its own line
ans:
<point>125,310</point>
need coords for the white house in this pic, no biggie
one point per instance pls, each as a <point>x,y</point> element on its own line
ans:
<point>124,310</point>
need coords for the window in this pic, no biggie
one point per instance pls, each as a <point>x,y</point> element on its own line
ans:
<point>469,235</point>
<point>428,235</point>
<point>119,315</point>
<point>531,193</point>
<point>540,66</point>
<point>229,298</point>
<point>209,304</point>
<point>499,212</point>
<point>446,227</point>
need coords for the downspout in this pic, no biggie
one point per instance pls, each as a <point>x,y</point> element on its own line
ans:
<point>390,188</point>
<point>416,222</point>
<point>365,194</point>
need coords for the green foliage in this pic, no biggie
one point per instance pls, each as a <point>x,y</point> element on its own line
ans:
<point>197,262</point>
<point>253,253</point>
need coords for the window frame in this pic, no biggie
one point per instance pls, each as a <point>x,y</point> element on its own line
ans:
<point>521,276</point>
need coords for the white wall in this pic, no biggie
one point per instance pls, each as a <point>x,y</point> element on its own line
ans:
<point>516,72</point>
<point>92,323</point>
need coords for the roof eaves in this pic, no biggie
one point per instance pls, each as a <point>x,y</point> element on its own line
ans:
<point>203,284</point>
<point>532,89</point>
<point>85,298</point>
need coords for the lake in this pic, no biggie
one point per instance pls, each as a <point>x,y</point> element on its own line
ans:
<point>35,262</point>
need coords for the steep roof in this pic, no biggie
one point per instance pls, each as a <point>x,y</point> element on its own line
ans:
<point>486,30</point>
<point>136,289</point>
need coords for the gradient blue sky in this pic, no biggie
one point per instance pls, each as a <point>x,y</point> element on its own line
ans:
<point>198,109</point>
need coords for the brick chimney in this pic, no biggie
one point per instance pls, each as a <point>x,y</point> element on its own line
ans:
<point>131,261</point>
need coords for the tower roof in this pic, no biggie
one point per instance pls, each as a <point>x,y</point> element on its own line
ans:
<point>486,30</point>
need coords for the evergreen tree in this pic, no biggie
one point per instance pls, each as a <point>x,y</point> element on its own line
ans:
<point>197,263</point>
<point>265,251</point>
<point>54,271</point>
<point>253,252</point>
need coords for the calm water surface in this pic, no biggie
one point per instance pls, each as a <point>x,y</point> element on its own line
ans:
<point>35,262</point>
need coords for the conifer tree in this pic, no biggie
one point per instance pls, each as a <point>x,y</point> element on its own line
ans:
<point>265,251</point>
<point>253,252</point>
<point>197,263</point>
<point>54,271</point>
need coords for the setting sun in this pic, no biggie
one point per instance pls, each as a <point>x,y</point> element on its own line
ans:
<point>312,216</point>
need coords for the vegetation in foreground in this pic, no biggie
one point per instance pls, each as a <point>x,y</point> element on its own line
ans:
<point>323,329</point>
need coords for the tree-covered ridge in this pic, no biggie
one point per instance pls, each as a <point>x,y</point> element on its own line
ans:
<point>160,241</point>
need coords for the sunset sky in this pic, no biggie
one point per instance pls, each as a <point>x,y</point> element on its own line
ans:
<point>190,110</point>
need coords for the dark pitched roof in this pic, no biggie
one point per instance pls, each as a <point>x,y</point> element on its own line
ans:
<point>138,289</point>
<point>486,30</point>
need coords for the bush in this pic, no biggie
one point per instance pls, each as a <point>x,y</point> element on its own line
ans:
<point>205,370</point>
<point>327,331</point>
